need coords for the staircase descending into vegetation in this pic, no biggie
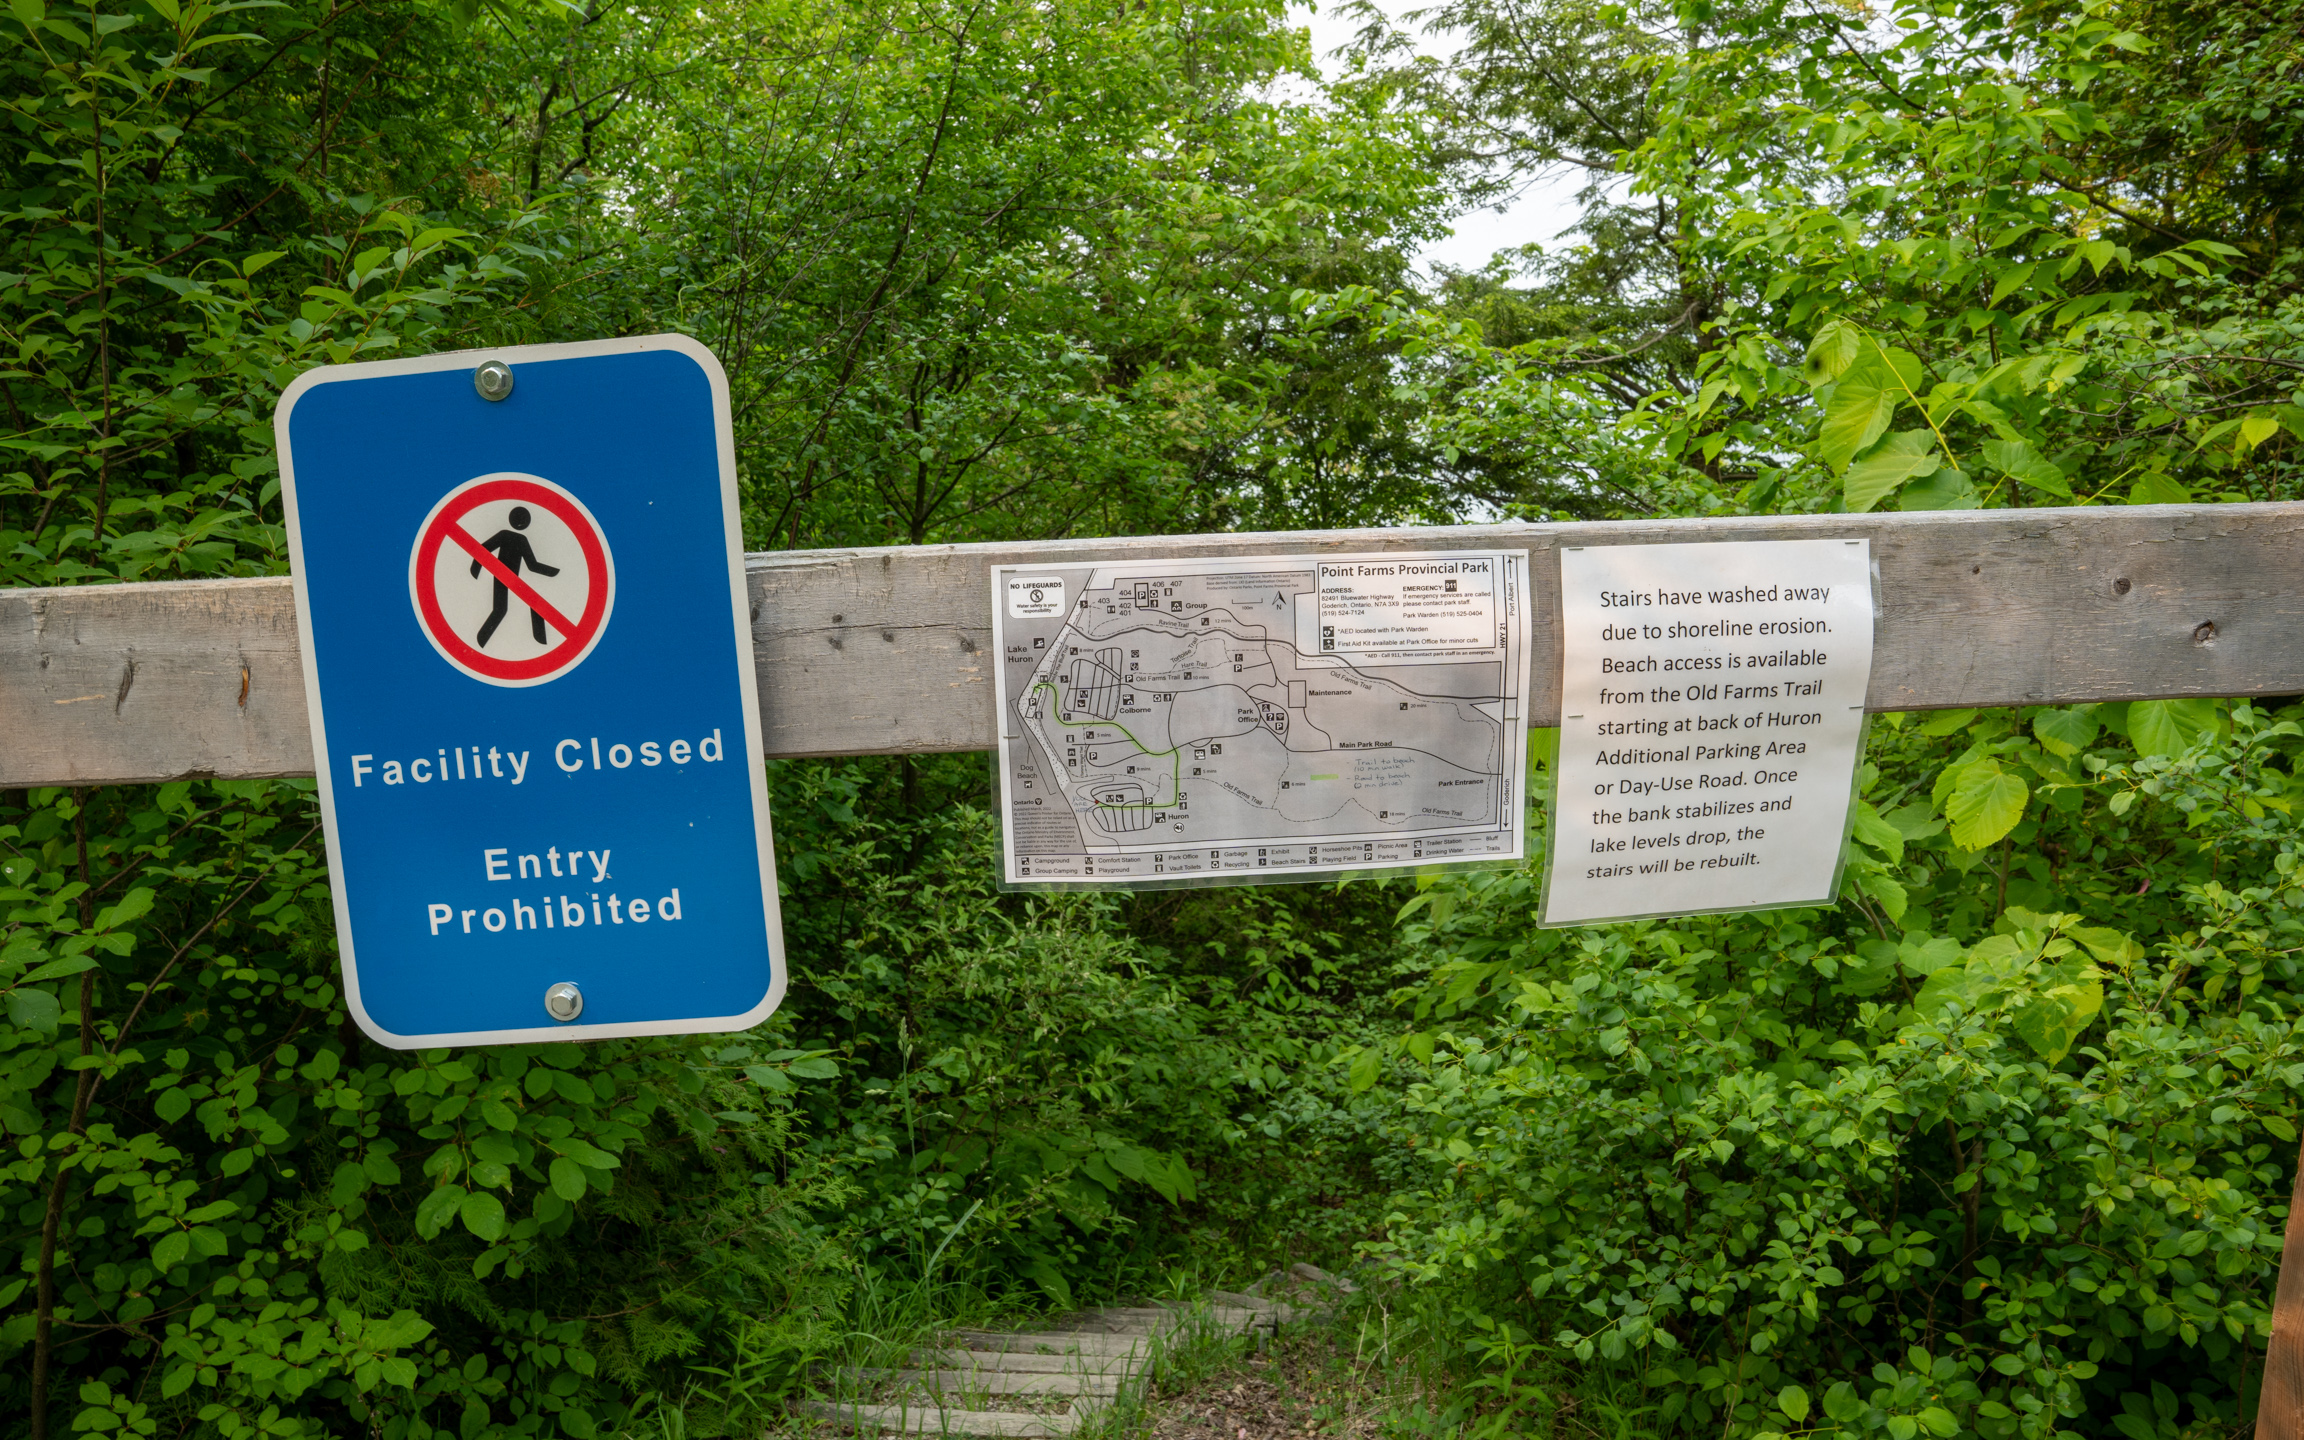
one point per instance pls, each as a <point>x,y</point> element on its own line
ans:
<point>1042,1382</point>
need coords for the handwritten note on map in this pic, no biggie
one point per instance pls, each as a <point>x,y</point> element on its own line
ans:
<point>1179,722</point>
<point>1711,715</point>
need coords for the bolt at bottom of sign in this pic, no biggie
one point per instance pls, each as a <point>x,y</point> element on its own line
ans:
<point>564,1002</point>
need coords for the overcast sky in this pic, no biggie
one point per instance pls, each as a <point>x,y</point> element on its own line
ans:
<point>1538,213</point>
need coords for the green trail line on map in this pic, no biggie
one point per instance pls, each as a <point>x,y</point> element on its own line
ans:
<point>1175,760</point>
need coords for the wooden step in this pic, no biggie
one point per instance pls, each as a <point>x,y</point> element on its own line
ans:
<point>1043,1342</point>
<point>1159,1319</point>
<point>1118,1320</point>
<point>1234,1317</point>
<point>1082,1356</point>
<point>1005,1360</point>
<point>1266,1313</point>
<point>996,1382</point>
<point>932,1420</point>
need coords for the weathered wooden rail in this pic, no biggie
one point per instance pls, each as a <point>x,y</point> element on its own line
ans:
<point>875,652</point>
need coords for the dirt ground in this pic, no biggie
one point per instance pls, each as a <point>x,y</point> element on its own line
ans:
<point>1299,1388</point>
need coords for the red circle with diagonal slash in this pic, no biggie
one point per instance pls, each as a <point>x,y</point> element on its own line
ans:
<point>577,633</point>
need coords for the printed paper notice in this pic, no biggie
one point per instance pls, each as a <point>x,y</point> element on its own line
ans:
<point>1711,710</point>
<point>1261,717</point>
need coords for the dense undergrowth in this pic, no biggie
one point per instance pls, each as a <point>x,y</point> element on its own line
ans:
<point>2008,1155</point>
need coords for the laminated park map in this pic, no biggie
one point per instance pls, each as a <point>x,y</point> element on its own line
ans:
<point>1246,718</point>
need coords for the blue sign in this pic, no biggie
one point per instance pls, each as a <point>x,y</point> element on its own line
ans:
<point>528,654</point>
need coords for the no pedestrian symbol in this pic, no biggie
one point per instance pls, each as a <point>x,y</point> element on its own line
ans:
<point>511,579</point>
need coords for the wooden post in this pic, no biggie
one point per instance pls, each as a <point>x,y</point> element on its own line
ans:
<point>2280,1406</point>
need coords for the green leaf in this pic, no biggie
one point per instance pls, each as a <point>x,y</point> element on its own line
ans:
<point>2157,489</point>
<point>2009,282</point>
<point>433,1214</point>
<point>1905,455</point>
<point>1793,1401</point>
<point>1862,404</point>
<point>401,1327</point>
<point>2019,459</point>
<point>170,1252</point>
<point>1877,832</point>
<point>1366,1066</point>
<point>2109,946</point>
<point>2066,732</point>
<point>1985,804</point>
<point>1915,822</point>
<point>1951,983</point>
<point>2052,1023</point>
<point>1842,1403</point>
<point>1944,722</point>
<point>1889,893</point>
<point>27,12</point>
<point>483,1215</point>
<point>134,905</point>
<point>2170,727</point>
<point>768,1077</point>
<point>1704,398</point>
<point>584,1152</point>
<point>1943,489</point>
<point>1834,349</point>
<point>1923,956</point>
<point>58,969</point>
<point>33,1009</point>
<point>2257,428</point>
<point>2279,1126</point>
<point>1940,1421</point>
<point>567,1178</point>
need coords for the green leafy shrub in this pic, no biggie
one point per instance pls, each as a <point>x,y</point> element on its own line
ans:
<point>1032,1086</point>
<point>252,1220</point>
<point>2013,1161</point>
